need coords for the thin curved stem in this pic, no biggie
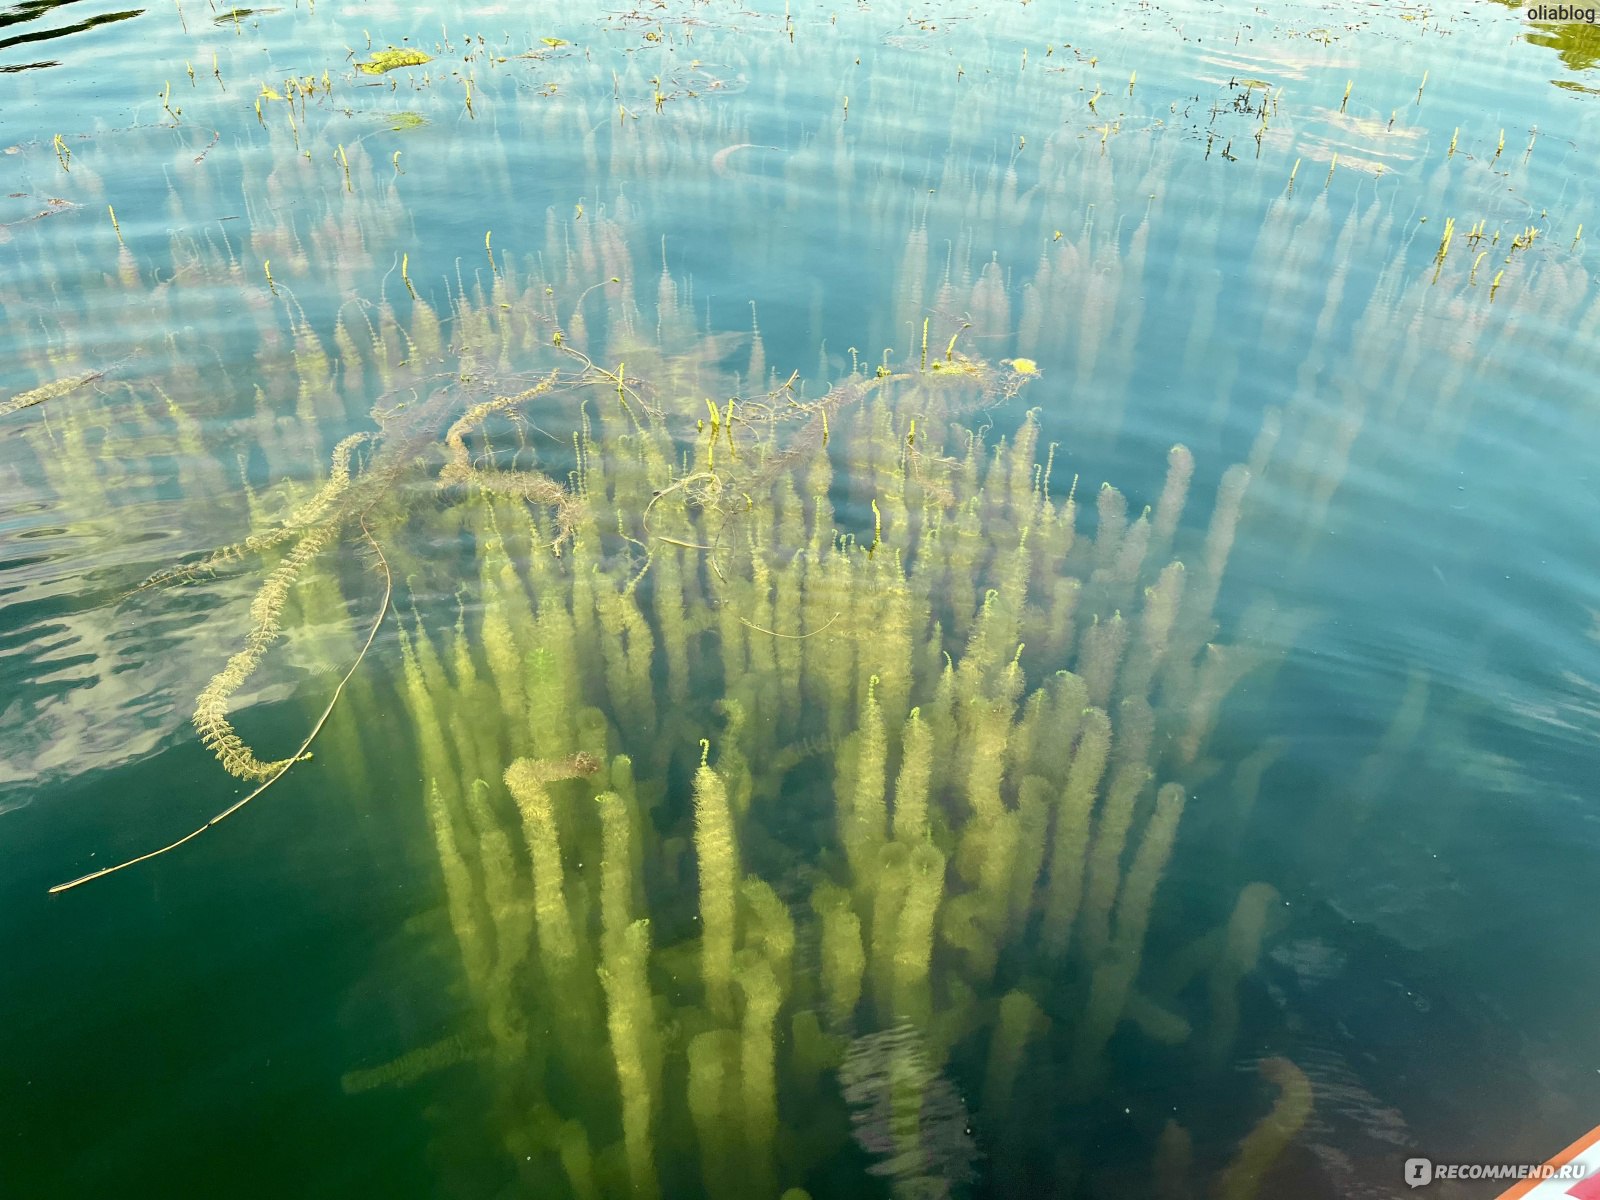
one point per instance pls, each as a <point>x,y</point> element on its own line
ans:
<point>297,756</point>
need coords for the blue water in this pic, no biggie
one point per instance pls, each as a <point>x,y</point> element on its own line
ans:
<point>1414,568</point>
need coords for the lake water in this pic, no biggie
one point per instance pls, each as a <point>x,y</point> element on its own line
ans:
<point>700,482</point>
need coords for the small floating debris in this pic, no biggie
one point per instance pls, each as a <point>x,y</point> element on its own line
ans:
<point>392,59</point>
<point>48,391</point>
<point>51,205</point>
<point>234,15</point>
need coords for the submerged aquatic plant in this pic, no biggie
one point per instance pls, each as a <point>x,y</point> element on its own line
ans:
<point>683,663</point>
<point>761,722</point>
<point>748,727</point>
<point>896,732</point>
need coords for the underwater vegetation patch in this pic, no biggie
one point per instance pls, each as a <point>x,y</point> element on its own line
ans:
<point>798,767</point>
<point>758,818</point>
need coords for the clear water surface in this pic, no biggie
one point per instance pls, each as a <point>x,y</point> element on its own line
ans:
<point>1346,246</point>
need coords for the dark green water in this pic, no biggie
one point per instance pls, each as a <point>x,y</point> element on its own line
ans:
<point>1220,230</point>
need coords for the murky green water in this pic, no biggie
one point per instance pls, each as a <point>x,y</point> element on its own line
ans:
<point>783,760</point>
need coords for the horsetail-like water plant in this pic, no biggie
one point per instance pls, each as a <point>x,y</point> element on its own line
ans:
<point>765,716</point>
